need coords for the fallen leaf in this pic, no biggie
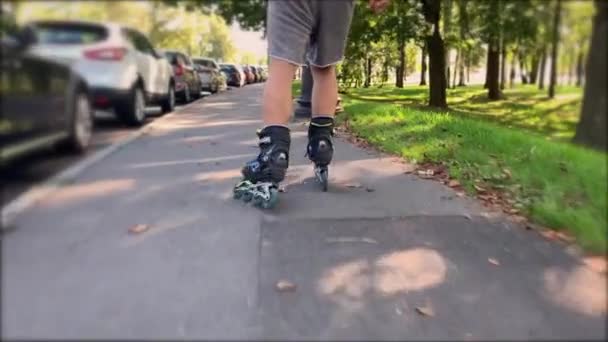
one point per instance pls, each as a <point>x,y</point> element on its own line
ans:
<point>493,261</point>
<point>370,189</point>
<point>460,194</point>
<point>285,285</point>
<point>479,188</point>
<point>425,310</point>
<point>513,211</point>
<point>398,311</point>
<point>507,172</point>
<point>427,173</point>
<point>453,183</point>
<point>353,185</point>
<point>281,189</point>
<point>138,228</point>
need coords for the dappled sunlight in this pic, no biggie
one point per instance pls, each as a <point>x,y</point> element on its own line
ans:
<point>174,124</point>
<point>580,289</point>
<point>393,273</point>
<point>186,161</point>
<point>81,192</point>
<point>224,104</point>
<point>216,176</point>
<point>409,270</point>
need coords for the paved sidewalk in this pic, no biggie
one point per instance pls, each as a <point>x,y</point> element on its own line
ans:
<point>382,255</point>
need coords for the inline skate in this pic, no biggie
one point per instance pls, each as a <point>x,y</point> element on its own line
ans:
<point>320,147</point>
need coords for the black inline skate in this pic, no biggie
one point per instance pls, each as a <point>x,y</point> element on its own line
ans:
<point>262,175</point>
<point>320,148</point>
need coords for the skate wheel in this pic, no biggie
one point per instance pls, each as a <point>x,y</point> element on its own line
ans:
<point>236,194</point>
<point>272,201</point>
<point>247,196</point>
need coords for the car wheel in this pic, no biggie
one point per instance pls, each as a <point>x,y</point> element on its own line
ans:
<point>168,103</point>
<point>133,112</point>
<point>187,96</point>
<point>81,124</point>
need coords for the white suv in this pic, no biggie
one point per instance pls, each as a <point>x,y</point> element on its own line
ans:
<point>121,67</point>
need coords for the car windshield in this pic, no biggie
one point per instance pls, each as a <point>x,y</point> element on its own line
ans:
<point>58,33</point>
<point>227,68</point>
<point>205,62</point>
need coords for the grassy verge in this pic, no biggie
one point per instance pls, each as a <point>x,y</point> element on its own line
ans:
<point>554,183</point>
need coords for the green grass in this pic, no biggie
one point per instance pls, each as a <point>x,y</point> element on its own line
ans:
<point>522,107</point>
<point>554,183</point>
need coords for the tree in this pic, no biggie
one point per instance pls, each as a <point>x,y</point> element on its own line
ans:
<point>431,10</point>
<point>591,129</point>
<point>219,42</point>
<point>554,48</point>
<point>423,65</point>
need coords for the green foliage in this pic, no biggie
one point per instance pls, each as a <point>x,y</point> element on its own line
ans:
<point>248,58</point>
<point>169,27</point>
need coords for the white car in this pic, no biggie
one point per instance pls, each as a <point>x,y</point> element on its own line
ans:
<point>123,70</point>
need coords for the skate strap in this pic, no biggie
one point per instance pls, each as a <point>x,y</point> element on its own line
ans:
<point>312,123</point>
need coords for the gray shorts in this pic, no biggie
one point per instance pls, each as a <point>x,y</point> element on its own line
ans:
<point>308,30</point>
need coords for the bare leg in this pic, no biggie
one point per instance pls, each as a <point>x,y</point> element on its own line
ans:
<point>277,101</point>
<point>325,91</point>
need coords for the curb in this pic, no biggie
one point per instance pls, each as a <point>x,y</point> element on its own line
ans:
<point>32,196</point>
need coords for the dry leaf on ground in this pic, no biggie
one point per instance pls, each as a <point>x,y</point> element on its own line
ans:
<point>353,185</point>
<point>285,285</point>
<point>425,310</point>
<point>453,183</point>
<point>479,188</point>
<point>493,261</point>
<point>138,228</point>
<point>507,173</point>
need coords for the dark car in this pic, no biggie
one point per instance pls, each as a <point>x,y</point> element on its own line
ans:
<point>187,81</point>
<point>256,74</point>
<point>44,102</point>
<point>212,79</point>
<point>235,76</point>
<point>250,76</point>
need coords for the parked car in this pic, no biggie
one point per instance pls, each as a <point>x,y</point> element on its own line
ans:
<point>250,77</point>
<point>212,79</point>
<point>187,81</point>
<point>235,76</point>
<point>262,73</point>
<point>44,102</point>
<point>121,67</point>
<point>256,74</point>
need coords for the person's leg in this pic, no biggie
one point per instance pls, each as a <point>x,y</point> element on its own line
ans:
<point>289,26</point>
<point>277,103</point>
<point>327,50</point>
<point>324,91</point>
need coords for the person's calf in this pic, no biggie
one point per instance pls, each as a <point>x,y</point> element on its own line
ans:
<point>277,101</point>
<point>325,91</point>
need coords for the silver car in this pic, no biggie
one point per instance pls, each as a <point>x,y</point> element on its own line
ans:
<point>123,70</point>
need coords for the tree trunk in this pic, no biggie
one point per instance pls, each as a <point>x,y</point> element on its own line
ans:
<point>485,83</point>
<point>368,73</point>
<point>423,66</point>
<point>554,48</point>
<point>534,69</point>
<point>456,68</point>
<point>447,64</point>
<point>436,69</point>
<point>461,82</point>
<point>468,67</point>
<point>579,69</point>
<point>512,72</point>
<point>401,68</point>
<point>493,71</point>
<point>543,66</point>
<point>503,63</point>
<point>522,69</point>
<point>571,67</point>
<point>591,129</point>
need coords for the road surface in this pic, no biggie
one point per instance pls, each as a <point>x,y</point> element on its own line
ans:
<point>383,255</point>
